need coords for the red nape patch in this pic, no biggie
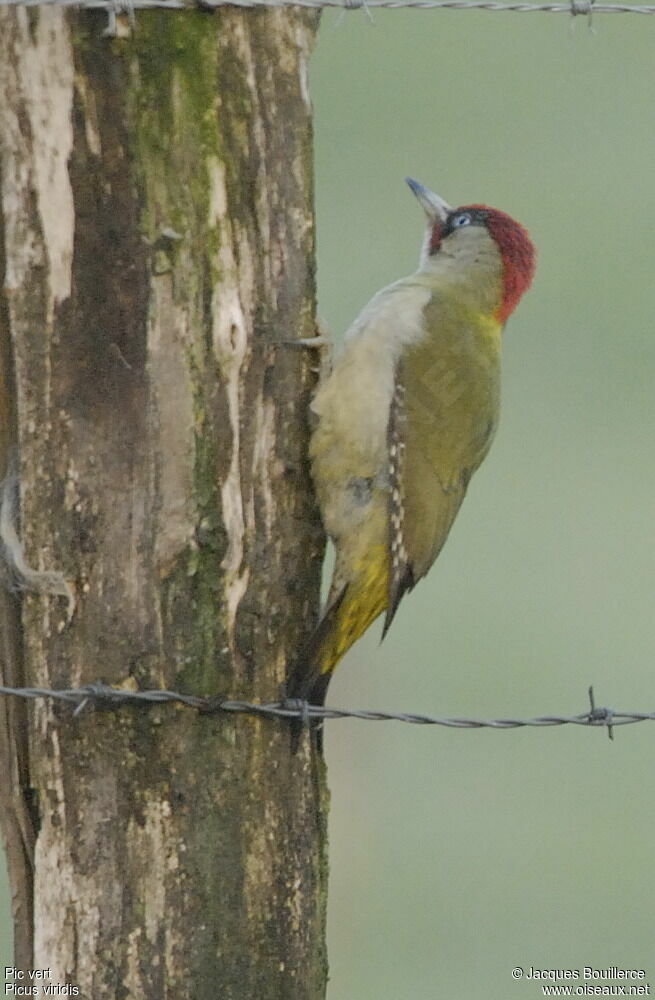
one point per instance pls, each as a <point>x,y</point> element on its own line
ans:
<point>518,254</point>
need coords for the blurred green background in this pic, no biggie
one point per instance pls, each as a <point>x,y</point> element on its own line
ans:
<point>458,855</point>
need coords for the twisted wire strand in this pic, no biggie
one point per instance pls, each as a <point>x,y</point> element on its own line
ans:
<point>574,7</point>
<point>103,696</point>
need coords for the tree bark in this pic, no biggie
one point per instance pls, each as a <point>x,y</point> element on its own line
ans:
<point>157,250</point>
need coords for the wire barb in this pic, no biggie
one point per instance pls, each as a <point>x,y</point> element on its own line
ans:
<point>103,696</point>
<point>600,716</point>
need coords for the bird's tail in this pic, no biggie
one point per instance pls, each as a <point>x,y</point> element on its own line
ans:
<point>348,614</point>
<point>344,620</point>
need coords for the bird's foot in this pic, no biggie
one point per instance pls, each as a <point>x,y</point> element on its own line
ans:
<point>321,343</point>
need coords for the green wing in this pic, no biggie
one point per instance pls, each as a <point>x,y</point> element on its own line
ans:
<point>421,512</point>
<point>442,420</point>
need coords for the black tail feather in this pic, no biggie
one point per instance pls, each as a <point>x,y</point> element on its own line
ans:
<point>308,684</point>
<point>310,679</point>
<point>313,693</point>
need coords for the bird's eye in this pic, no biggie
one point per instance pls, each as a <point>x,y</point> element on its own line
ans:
<point>463,219</point>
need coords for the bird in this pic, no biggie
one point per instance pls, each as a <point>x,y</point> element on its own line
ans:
<point>405,418</point>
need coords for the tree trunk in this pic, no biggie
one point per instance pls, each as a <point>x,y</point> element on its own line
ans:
<point>157,248</point>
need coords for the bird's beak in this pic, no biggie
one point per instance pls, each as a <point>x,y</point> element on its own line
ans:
<point>434,207</point>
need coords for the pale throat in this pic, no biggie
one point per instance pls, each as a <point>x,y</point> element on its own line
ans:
<point>472,272</point>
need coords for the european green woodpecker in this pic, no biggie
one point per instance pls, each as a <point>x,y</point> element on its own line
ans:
<point>406,416</point>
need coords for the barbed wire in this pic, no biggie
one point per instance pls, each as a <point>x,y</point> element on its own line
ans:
<point>575,8</point>
<point>103,696</point>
